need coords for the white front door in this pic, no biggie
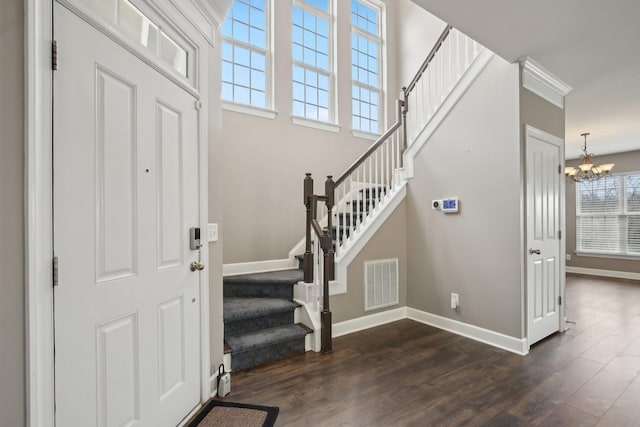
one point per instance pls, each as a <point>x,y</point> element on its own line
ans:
<point>127,308</point>
<point>543,175</point>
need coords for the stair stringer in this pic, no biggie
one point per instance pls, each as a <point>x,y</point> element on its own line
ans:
<point>363,234</point>
<point>457,92</point>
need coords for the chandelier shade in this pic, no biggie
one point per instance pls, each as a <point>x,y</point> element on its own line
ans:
<point>587,170</point>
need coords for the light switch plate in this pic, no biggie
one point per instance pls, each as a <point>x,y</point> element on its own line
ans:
<point>212,234</point>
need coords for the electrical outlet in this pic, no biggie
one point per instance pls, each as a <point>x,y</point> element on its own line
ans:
<point>212,234</point>
<point>455,300</point>
<point>567,257</point>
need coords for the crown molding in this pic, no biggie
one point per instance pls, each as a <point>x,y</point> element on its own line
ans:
<point>543,83</point>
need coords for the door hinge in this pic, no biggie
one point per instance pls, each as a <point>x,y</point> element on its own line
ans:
<point>559,234</point>
<point>559,168</point>
<point>198,105</point>
<point>54,268</point>
<point>54,55</point>
<point>559,300</point>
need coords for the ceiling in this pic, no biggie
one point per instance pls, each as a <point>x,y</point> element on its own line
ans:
<point>592,45</point>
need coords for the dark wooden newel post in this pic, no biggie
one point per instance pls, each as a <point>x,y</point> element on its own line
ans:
<point>307,262</point>
<point>326,345</point>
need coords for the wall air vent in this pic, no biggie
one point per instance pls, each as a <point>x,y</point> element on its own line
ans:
<point>380,283</point>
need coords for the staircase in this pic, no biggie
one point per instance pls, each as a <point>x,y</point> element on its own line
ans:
<point>259,318</point>
<point>259,308</point>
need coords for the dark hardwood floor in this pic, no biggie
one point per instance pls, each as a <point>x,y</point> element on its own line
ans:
<point>407,373</point>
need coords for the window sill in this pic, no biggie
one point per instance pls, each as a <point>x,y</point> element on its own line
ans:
<point>607,255</point>
<point>365,135</point>
<point>249,110</point>
<point>301,121</point>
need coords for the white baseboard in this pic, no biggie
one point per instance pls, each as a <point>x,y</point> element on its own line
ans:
<point>604,273</point>
<point>258,266</point>
<point>496,339</point>
<point>369,321</point>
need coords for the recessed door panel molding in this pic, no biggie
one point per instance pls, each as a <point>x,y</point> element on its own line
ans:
<point>551,198</point>
<point>118,374</point>
<point>116,194</point>
<point>551,265</point>
<point>171,345</point>
<point>169,193</point>
<point>539,290</point>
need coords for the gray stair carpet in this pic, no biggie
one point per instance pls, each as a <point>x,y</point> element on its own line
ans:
<point>259,318</point>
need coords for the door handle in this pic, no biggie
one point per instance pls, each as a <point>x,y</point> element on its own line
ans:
<point>534,251</point>
<point>197,265</point>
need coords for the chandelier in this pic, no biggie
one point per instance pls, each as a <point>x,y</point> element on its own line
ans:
<point>587,170</point>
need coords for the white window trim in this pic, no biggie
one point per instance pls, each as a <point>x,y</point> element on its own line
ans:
<point>333,81</point>
<point>315,124</point>
<point>365,135</point>
<point>382,66</point>
<point>250,110</point>
<point>621,212</point>
<point>268,64</point>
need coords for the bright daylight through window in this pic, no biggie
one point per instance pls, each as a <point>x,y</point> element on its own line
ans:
<point>312,65</point>
<point>608,215</point>
<point>365,67</point>
<point>245,54</point>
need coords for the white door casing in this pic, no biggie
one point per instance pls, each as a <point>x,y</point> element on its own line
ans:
<point>126,191</point>
<point>544,226</point>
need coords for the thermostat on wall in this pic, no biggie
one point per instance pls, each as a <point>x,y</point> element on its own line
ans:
<point>450,205</point>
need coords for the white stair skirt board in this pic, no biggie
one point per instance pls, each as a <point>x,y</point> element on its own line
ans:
<point>258,266</point>
<point>367,230</point>
<point>369,321</point>
<point>604,273</point>
<point>496,339</point>
<point>445,108</point>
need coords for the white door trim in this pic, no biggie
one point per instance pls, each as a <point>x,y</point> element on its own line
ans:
<point>532,132</point>
<point>39,335</point>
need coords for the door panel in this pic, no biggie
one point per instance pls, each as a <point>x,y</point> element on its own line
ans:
<point>543,159</point>
<point>127,309</point>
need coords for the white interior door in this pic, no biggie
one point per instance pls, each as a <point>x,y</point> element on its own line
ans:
<point>127,309</point>
<point>544,265</point>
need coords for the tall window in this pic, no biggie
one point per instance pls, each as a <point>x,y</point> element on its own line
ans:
<point>312,67</point>
<point>366,90</point>
<point>245,54</point>
<point>608,215</point>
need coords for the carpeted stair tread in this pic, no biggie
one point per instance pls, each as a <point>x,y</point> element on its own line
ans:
<point>281,276</point>
<point>266,337</point>
<point>246,308</point>
<point>272,284</point>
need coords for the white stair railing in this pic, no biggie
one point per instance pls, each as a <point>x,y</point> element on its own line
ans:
<point>450,57</point>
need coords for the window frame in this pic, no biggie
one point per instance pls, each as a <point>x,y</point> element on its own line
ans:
<point>622,214</point>
<point>331,124</point>
<point>232,105</point>
<point>382,64</point>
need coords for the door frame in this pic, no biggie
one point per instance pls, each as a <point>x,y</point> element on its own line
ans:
<point>202,18</point>
<point>532,132</point>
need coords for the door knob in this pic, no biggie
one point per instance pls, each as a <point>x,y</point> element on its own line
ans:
<point>197,265</point>
<point>534,251</point>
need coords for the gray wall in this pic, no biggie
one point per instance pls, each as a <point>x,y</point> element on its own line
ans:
<point>12,335</point>
<point>390,241</point>
<point>264,161</point>
<point>474,155</point>
<point>624,162</point>
<point>541,114</point>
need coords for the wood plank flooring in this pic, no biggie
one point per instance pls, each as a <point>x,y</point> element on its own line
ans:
<point>409,374</point>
